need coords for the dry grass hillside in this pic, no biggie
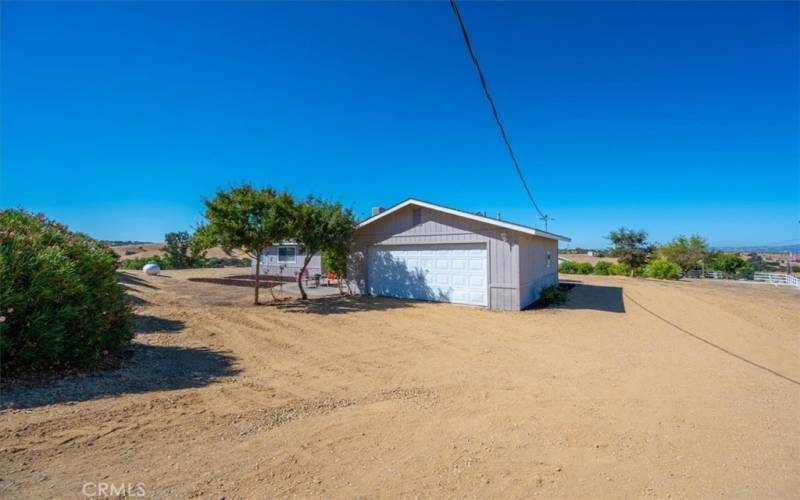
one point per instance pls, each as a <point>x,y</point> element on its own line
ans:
<point>126,252</point>
<point>632,389</point>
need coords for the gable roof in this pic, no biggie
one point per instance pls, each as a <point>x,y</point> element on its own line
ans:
<point>460,213</point>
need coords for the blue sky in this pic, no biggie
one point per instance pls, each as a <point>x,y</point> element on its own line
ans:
<point>678,117</point>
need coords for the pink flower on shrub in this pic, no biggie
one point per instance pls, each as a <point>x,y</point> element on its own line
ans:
<point>2,319</point>
<point>105,353</point>
<point>10,310</point>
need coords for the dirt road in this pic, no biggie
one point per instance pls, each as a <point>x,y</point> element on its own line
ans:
<point>633,389</point>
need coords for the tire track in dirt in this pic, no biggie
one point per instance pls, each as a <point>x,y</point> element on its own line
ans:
<point>712,344</point>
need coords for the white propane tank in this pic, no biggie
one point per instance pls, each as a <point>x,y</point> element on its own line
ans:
<point>151,268</point>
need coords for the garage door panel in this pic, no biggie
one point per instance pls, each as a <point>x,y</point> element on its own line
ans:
<point>477,297</point>
<point>445,273</point>
<point>476,265</point>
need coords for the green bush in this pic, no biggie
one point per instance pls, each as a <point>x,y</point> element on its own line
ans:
<point>602,268</point>
<point>620,269</point>
<point>728,263</point>
<point>568,267</point>
<point>662,269</point>
<point>554,294</point>
<point>60,303</point>
<point>226,262</point>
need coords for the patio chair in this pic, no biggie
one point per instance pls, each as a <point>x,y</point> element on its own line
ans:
<point>303,277</point>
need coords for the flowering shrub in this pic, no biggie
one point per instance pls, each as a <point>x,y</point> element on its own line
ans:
<point>60,303</point>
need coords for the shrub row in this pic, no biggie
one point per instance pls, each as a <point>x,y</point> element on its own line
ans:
<point>602,268</point>
<point>659,268</point>
<point>60,303</point>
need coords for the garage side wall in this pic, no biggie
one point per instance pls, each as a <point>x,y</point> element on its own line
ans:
<point>436,227</point>
<point>536,270</point>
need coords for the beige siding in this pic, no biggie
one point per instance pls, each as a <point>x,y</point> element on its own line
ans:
<point>534,273</point>
<point>437,227</point>
<point>272,267</point>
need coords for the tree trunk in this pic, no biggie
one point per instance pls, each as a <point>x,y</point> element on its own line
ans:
<point>258,277</point>
<point>306,260</point>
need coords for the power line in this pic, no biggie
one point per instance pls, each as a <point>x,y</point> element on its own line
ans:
<point>494,108</point>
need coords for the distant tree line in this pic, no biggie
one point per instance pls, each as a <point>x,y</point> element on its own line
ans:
<point>636,256</point>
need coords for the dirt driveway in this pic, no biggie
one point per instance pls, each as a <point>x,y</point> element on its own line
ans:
<point>633,389</point>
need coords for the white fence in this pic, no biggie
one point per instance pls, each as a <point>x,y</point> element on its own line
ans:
<point>777,279</point>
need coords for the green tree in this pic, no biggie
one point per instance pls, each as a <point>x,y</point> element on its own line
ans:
<point>321,226</point>
<point>335,260</point>
<point>686,252</point>
<point>250,219</point>
<point>728,263</point>
<point>630,247</point>
<point>176,249</point>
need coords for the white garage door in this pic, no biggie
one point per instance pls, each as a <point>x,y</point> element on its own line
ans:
<point>444,273</point>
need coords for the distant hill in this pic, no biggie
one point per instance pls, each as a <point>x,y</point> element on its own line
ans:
<point>794,248</point>
<point>114,243</point>
<point>136,250</point>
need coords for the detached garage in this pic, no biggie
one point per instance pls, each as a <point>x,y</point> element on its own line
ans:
<point>419,250</point>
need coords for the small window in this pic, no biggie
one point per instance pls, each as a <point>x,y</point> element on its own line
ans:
<point>287,254</point>
<point>416,216</point>
<point>548,258</point>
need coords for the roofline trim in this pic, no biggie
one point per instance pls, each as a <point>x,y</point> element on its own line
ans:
<point>480,218</point>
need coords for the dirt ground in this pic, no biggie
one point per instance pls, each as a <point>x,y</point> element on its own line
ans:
<point>634,388</point>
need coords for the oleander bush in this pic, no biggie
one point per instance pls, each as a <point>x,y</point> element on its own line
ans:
<point>584,268</point>
<point>60,303</point>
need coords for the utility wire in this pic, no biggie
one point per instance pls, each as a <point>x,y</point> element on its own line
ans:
<point>494,108</point>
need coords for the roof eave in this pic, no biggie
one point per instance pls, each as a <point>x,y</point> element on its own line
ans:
<point>467,215</point>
